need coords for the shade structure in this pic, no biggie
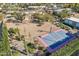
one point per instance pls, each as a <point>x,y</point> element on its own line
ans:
<point>54,40</point>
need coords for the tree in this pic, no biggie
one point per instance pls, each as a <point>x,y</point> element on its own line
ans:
<point>1,16</point>
<point>68,5</point>
<point>44,17</point>
<point>19,16</point>
<point>14,32</point>
<point>5,42</point>
<point>22,5</point>
<point>63,14</point>
<point>76,8</point>
<point>31,48</point>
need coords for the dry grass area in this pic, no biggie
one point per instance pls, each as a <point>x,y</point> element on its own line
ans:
<point>76,15</point>
<point>32,30</point>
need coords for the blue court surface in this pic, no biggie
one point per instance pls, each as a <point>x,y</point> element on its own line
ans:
<point>55,40</point>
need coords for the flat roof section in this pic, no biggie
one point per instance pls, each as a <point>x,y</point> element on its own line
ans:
<point>73,19</point>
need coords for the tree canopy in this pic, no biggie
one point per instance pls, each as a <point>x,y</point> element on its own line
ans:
<point>1,16</point>
<point>76,8</point>
<point>63,14</point>
<point>19,16</point>
<point>5,47</point>
<point>43,17</point>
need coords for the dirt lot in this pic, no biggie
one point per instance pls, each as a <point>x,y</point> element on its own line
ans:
<point>31,29</point>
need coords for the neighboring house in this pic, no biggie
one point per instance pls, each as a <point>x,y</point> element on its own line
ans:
<point>49,10</point>
<point>72,22</point>
<point>36,6</point>
<point>57,11</point>
<point>54,6</point>
<point>0,9</point>
<point>9,12</point>
<point>9,17</point>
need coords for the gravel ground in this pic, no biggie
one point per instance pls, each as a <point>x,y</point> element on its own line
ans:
<point>31,30</point>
